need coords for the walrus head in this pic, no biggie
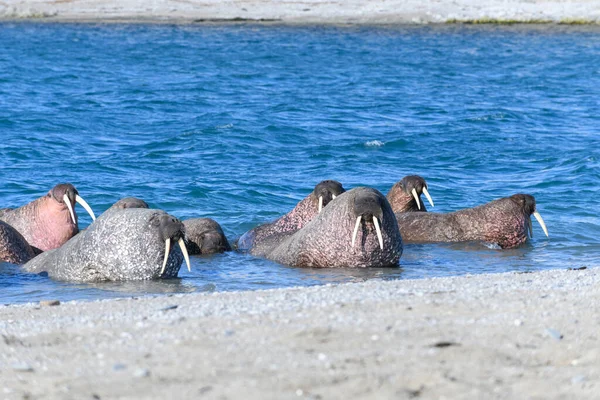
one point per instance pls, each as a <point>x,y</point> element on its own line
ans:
<point>129,202</point>
<point>526,203</point>
<point>325,191</point>
<point>170,230</point>
<point>405,195</point>
<point>205,236</point>
<point>65,193</point>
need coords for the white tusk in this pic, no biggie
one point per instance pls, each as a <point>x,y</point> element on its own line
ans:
<point>333,196</point>
<point>185,253</point>
<point>541,221</point>
<point>426,193</point>
<point>356,229</point>
<point>530,228</point>
<point>167,249</point>
<point>416,196</point>
<point>70,207</point>
<point>85,205</point>
<point>320,203</point>
<point>378,232</point>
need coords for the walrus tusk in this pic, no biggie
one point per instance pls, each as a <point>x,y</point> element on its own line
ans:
<point>541,221</point>
<point>333,196</point>
<point>530,228</point>
<point>378,232</point>
<point>167,249</point>
<point>68,203</point>
<point>356,229</point>
<point>85,205</point>
<point>185,253</point>
<point>416,196</point>
<point>426,193</point>
<point>320,203</point>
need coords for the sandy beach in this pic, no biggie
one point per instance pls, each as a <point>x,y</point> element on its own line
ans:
<point>305,12</point>
<point>503,336</point>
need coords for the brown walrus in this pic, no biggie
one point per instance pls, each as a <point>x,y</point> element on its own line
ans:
<point>13,246</point>
<point>405,195</point>
<point>505,222</point>
<point>258,240</point>
<point>205,236</point>
<point>357,229</point>
<point>48,222</point>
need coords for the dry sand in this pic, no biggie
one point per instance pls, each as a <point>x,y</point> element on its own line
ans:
<point>303,11</point>
<point>504,336</point>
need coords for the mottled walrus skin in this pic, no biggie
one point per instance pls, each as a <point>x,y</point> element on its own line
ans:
<point>129,202</point>
<point>13,246</point>
<point>327,240</point>
<point>121,245</point>
<point>504,222</point>
<point>259,240</point>
<point>46,223</point>
<point>205,236</point>
<point>400,195</point>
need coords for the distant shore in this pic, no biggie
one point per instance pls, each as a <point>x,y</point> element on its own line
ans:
<point>306,12</point>
<point>502,336</point>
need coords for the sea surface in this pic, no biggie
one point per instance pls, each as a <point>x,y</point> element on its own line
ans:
<point>239,122</point>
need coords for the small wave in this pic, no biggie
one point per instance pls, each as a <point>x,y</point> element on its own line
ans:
<point>374,143</point>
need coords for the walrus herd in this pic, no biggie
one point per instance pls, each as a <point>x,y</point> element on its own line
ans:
<point>331,227</point>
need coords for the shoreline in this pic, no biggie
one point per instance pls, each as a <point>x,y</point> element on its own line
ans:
<point>306,12</point>
<point>509,335</point>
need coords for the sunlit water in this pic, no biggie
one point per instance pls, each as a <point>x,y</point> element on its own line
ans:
<point>239,122</point>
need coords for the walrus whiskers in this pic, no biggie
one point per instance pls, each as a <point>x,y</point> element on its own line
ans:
<point>167,249</point>
<point>379,236</point>
<point>185,253</point>
<point>541,221</point>
<point>320,203</point>
<point>68,203</point>
<point>416,196</point>
<point>85,205</point>
<point>356,229</point>
<point>426,193</point>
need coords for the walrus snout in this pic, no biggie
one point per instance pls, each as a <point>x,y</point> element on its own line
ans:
<point>368,207</point>
<point>170,230</point>
<point>527,204</point>
<point>67,194</point>
<point>326,191</point>
<point>415,185</point>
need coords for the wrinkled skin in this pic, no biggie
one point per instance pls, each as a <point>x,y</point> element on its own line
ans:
<point>128,202</point>
<point>121,245</point>
<point>503,222</point>
<point>401,198</point>
<point>13,246</point>
<point>259,240</point>
<point>326,241</point>
<point>46,222</point>
<point>205,236</point>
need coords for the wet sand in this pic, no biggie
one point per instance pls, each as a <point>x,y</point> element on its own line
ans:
<point>503,336</point>
<point>304,12</point>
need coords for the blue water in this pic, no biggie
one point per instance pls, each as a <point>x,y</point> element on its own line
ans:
<point>239,122</point>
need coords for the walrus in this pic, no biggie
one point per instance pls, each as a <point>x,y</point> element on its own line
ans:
<point>504,222</point>
<point>128,244</point>
<point>13,246</point>
<point>48,222</point>
<point>129,202</point>
<point>205,236</point>
<point>405,195</point>
<point>258,239</point>
<point>357,229</point>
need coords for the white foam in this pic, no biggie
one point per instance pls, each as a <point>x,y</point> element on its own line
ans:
<point>374,143</point>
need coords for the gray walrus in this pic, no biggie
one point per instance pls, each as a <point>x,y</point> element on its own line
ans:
<point>48,222</point>
<point>129,244</point>
<point>405,195</point>
<point>357,229</point>
<point>259,239</point>
<point>205,236</point>
<point>505,222</point>
<point>129,202</point>
<point>13,246</point>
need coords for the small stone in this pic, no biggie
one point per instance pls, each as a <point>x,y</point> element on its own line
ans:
<point>174,306</point>
<point>375,338</point>
<point>518,322</point>
<point>119,367</point>
<point>299,392</point>
<point>22,367</point>
<point>553,333</point>
<point>322,357</point>
<point>229,332</point>
<point>578,379</point>
<point>141,373</point>
<point>48,303</point>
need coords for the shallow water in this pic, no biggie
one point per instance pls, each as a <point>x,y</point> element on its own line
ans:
<point>239,122</point>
